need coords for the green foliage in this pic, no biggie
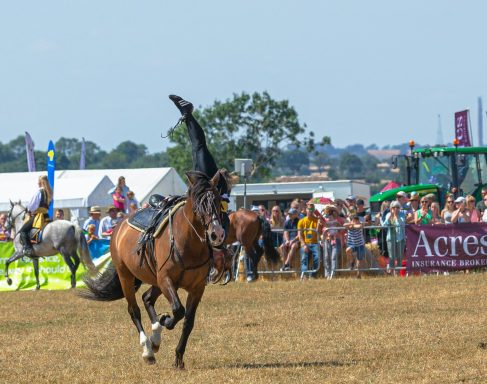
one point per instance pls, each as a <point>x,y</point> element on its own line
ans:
<point>246,126</point>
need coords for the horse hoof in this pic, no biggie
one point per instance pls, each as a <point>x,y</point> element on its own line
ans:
<point>9,281</point>
<point>178,364</point>
<point>149,359</point>
<point>155,348</point>
<point>38,287</point>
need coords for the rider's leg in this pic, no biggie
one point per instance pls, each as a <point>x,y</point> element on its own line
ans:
<point>24,235</point>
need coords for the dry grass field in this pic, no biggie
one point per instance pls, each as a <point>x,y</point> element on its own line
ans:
<point>379,330</point>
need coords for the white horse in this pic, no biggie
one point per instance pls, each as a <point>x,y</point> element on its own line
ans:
<point>60,236</point>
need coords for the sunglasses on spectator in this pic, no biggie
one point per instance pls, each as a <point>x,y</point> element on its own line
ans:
<point>424,201</point>
<point>310,209</point>
<point>449,201</point>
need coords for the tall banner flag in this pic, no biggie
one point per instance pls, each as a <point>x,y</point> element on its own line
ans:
<point>82,159</point>
<point>51,167</point>
<point>461,129</point>
<point>29,149</point>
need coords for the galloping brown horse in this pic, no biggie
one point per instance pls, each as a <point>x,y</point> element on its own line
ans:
<point>247,227</point>
<point>181,259</point>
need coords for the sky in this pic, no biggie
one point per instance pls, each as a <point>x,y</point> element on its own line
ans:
<point>358,71</point>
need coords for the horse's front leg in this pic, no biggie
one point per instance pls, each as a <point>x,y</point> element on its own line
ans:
<point>35,261</point>
<point>170,293</point>
<point>149,297</point>
<point>192,302</point>
<point>14,257</point>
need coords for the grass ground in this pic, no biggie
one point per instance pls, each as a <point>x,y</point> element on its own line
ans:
<point>377,330</point>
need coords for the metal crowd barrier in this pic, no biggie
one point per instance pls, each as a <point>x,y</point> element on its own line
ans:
<point>342,264</point>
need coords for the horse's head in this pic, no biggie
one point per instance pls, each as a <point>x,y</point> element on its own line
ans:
<point>206,203</point>
<point>16,212</point>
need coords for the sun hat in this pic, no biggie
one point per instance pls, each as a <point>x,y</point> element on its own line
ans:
<point>254,208</point>
<point>95,209</point>
<point>111,208</point>
<point>460,199</point>
<point>351,197</point>
<point>402,194</point>
<point>292,211</point>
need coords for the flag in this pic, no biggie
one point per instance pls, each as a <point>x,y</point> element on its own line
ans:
<point>29,149</point>
<point>82,159</point>
<point>51,167</point>
<point>461,129</point>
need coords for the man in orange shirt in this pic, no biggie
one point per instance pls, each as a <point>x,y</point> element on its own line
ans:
<point>308,228</point>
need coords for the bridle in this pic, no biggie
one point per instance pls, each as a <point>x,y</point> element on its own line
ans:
<point>206,211</point>
<point>11,220</point>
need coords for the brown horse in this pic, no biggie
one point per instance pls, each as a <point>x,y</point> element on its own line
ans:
<point>181,259</point>
<point>247,227</point>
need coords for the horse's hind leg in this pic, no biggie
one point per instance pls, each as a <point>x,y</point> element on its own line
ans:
<point>127,281</point>
<point>192,302</point>
<point>149,297</point>
<point>170,293</point>
<point>36,272</point>
<point>72,267</point>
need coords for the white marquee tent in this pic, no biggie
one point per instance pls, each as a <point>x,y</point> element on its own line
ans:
<point>77,190</point>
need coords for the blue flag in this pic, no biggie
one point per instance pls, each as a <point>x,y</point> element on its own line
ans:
<point>51,167</point>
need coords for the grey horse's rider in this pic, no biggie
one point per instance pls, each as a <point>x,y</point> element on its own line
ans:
<point>38,207</point>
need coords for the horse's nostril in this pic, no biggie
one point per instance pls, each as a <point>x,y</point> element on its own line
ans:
<point>213,236</point>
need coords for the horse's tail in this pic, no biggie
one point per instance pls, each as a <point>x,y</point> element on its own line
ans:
<point>270,252</point>
<point>106,287</point>
<point>84,251</point>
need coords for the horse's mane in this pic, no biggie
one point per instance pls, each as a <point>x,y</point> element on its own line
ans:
<point>201,193</point>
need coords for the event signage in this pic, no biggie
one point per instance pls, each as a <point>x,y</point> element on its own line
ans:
<point>51,168</point>
<point>446,247</point>
<point>461,129</point>
<point>29,149</point>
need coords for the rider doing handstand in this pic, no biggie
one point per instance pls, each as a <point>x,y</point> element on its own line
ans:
<point>38,208</point>
<point>203,161</point>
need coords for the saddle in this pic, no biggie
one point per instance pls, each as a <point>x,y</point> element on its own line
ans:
<point>150,219</point>
<point>40,222</point>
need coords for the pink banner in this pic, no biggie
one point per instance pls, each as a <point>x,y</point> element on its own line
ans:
<point>446,247</point>
<point>461,129</point>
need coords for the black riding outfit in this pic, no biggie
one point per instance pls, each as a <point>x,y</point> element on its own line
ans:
<point>203,160</point>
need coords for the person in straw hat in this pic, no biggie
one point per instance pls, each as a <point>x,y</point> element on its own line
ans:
<point>95,213</point>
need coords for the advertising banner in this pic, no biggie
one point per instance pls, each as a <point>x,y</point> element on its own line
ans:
<point>446,247</point>
<point>29,149</point>
<point>461,129</point>
<point>54,274</point>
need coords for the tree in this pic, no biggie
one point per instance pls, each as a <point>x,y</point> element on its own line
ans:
<point>247,126</point>
<point>351,166</point>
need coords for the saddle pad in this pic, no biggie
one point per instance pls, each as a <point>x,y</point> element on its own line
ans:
<point>142,220</point>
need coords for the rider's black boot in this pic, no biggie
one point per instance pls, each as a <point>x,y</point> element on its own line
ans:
<point>25,240</point>
<point>185,107</point>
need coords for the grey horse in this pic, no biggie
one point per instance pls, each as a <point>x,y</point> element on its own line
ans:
<point>60,236</point>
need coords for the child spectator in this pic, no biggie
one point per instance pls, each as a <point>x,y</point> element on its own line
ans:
<point>4,233</point>
<point>118,199</point>
<point>129,201</point>
<point>332,239</point>
<point>355,243</point>
<point>91,235</point>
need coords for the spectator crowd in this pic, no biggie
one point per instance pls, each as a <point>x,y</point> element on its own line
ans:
<point>344,227</point>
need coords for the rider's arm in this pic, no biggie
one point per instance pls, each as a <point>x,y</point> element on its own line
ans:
<point>34,202</point>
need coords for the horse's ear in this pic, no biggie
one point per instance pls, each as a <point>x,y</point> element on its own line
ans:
<point>11,204</point>
<point>192,177</point>
<point>215,179</point>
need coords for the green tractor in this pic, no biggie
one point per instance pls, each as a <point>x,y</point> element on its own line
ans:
<point>438,170</point>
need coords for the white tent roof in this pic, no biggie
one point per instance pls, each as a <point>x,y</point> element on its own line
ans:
<point>82,189</point>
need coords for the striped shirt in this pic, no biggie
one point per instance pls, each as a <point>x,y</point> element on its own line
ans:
<point>355,237</point>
